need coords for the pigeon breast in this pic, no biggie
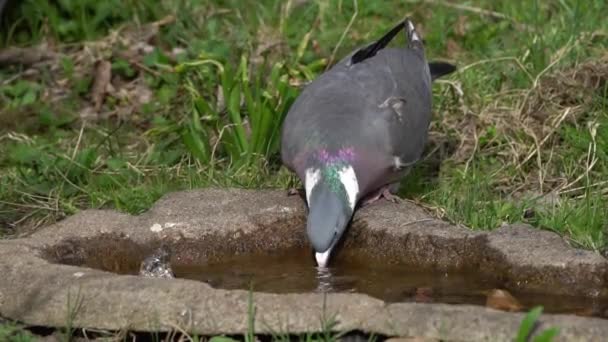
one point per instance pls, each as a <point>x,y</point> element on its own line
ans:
<point>380,108</point>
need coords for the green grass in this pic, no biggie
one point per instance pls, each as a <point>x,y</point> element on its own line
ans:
<point>14,333</point>
<point>482,168</point>
<point>527,325</point>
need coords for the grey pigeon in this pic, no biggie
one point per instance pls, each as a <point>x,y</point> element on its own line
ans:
<point>356,130</point>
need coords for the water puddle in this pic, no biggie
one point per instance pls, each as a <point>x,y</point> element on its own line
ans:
<point>293,270</point>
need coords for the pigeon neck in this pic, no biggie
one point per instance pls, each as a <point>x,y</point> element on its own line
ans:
<point>335,172</point>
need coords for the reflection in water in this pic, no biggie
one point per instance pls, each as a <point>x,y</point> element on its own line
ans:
<point>330,280</point>
<point>324,280</point>
<point>292,271</point>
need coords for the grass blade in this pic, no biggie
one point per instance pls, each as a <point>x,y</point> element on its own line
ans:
<point>527,324</point>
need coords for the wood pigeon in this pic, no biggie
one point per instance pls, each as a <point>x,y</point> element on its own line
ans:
<point>355,131</point>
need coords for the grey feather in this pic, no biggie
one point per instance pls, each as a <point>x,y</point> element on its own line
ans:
<point>380,105</point>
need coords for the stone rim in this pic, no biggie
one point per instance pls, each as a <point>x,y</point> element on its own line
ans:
<point>197,307</point>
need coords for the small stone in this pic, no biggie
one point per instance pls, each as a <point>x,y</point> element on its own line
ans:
<point>156,228</point>
<point>502,300</point>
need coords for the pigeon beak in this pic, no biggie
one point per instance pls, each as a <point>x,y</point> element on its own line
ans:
<point>323,258</point>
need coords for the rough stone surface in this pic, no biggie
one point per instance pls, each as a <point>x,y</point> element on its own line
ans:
<point>206,224</point>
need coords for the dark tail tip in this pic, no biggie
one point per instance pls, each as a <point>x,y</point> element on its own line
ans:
<point>439,69</point>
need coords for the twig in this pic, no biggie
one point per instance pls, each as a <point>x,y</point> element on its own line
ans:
<point>25,56</point>
<point>470,159</point>
<point>103,78</point>
<point>567,191</point>
<point>143,67</point>
<point>476,10</point>
<point>559,55</point>
<point>418,221</point>
<point>77,147</point>
<point>591,161</point>
<point>499,59</point>
<point>538,146</point>
<point>217,142</point>
<point>29,206</point>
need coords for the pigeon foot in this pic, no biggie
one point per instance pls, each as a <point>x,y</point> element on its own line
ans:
<point>292,192</point>
<point>389,196</point>
<point>384,192</point>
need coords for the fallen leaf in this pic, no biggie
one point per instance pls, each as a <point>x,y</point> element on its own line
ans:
<point>142,93</point>
<point>221,100</point>
<point>462,26</point>
<point>586,312</point>
<point>146,33</point>
<point>502,300</point>
<point>88,113</point>
<point>26,56</point>
<point>316,47</point>
<point>423,295</point>
<point>103,75</point>
<point>270,45</point>
<point>452,48</point>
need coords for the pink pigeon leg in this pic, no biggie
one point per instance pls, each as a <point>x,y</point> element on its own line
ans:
<point>385,192</point>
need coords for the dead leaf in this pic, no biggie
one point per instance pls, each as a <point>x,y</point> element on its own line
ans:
<point>462,26</point>
<point>146,33</point>
<point>88,113</point>
<point>502,300</point>
<point>103,75</point>
<point>423,295</point>
<point>220,99</point>
<point>270,45</point>
<point>452,48</point>
<point>142,94</point>
<point>26,56</point>
<point>586,312</point>
<point>316,47</point>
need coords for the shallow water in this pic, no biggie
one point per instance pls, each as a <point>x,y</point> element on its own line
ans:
<point>293,271</point>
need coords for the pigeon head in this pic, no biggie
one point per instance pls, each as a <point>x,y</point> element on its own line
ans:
<point>331,193</point>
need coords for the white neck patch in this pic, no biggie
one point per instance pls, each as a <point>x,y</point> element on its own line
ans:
<point>348,178</point>
<point>312,178</point>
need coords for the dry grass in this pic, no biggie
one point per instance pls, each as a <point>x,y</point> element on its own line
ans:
<point>557,97</point>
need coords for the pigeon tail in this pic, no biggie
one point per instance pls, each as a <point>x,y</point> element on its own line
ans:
<point>439,69</point>
<point>414,42</point>
<point>371,50</point>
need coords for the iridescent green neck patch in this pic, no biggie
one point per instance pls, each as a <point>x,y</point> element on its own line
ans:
<point>331,164</point>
